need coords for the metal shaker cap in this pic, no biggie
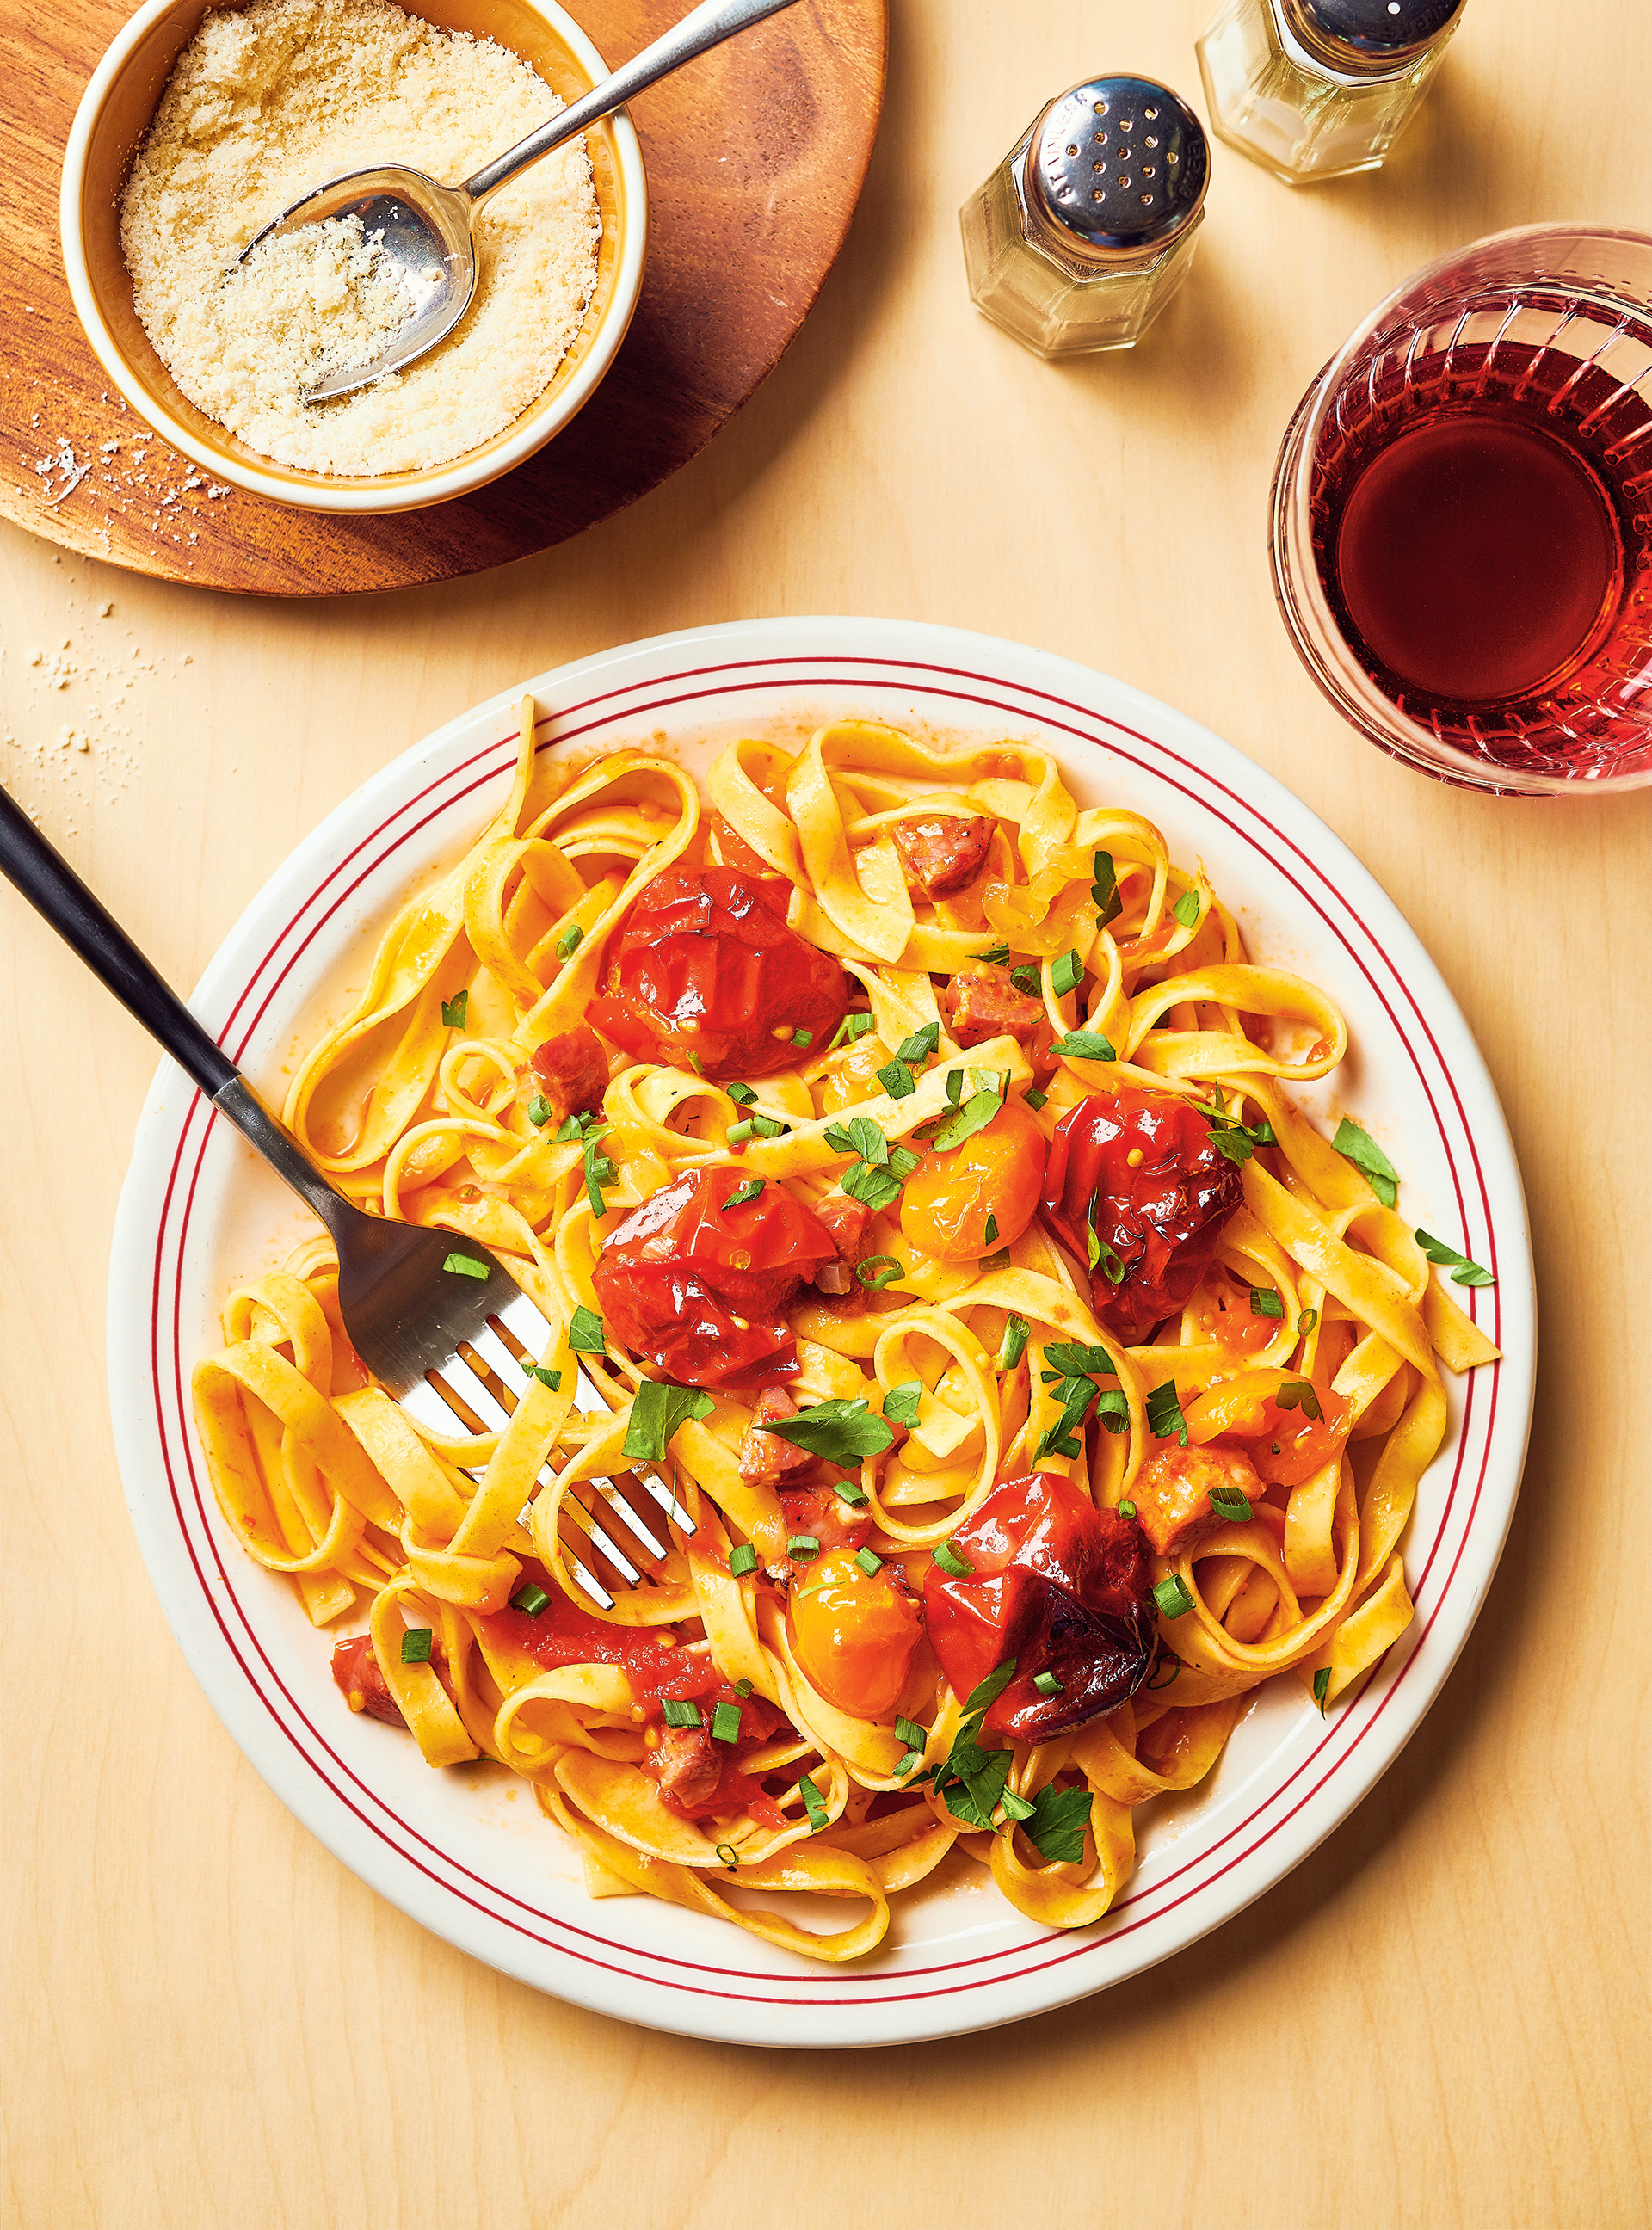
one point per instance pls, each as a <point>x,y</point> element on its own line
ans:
<point>1371,35</point>
<point>1120,165</point>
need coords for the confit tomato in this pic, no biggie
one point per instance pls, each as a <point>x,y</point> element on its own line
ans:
<point>996,1172</point>
<point>1138,1169</point>
<point>1288,1445</point>
<point>706,965</point>
<point>701,1288</point>
<point>853,1632</point>
<point>1061,1587</point>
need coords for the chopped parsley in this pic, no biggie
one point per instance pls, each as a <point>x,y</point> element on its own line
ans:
<point>453,1011</point>
<point>466,1266</point>
<point>994,955</point>
<point>599,1171</point>
<point>1322,1687</point>
<point>880,1169</point>
<point>743,1195</point>
<point>900,1403</point>
<point>1085,1045</point>
<point>1165,1413</point>
<point>974,1115</point>
<point>954,1086</point>
<point>814,1803</point>
<point>1358,1147</point>
<point>1105,890</point>
<point>990,1232</point>
<point>1056,1824</point>
<point>585,1332</point>
<point>656,1412</point>
<point>1464,1271</point>
<point>1297,1394</point>
<point>896,1080</point>
<point>1186,909</point>
<point>545,1375</point>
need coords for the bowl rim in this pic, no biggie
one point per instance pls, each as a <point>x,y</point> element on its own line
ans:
<point>461,475</point>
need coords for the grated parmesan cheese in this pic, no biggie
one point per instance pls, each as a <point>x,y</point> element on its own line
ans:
<point>268,101</point>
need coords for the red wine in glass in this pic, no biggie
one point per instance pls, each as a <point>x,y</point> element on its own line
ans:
<point>1462,516</point>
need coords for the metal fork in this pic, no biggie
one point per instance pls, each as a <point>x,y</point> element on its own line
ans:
<point>452,1347</point>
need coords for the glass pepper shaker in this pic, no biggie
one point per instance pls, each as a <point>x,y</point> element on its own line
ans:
<point>1319,89</point>
<point>1088,225</point>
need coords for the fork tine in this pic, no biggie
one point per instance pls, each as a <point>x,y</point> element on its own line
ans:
<point>619,1502</point>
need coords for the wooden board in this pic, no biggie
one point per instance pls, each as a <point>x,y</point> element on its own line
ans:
<point>755,154</point>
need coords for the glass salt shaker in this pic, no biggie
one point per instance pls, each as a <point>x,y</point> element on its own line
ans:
<point>1087,226</point>
<point>1319,89</point>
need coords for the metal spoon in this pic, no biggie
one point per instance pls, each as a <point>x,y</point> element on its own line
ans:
<point>428,228</point>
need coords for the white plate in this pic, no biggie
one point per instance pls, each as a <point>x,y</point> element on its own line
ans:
<point>466,1853</point>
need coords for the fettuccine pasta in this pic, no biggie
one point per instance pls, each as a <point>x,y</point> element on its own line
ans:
<point>1009,1376</point>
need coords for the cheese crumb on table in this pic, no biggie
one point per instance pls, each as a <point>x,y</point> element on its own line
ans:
<point>266,103</point>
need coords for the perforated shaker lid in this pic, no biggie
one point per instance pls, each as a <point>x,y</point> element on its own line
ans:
<point>1121,162</point>
<point>1373,34</point>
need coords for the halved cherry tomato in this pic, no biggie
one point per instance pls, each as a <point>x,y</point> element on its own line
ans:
<point>1287,1446</point>
<point>706,965</point>
<point>1158,1218</point>
<point>853,1632</point>
<point>1061,1587</point>
<point>700,1288</point>
<point>995,1172</point>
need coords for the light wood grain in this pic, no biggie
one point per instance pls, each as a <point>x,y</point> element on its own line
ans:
<point>755,156</point>
<point>1439,2019</point>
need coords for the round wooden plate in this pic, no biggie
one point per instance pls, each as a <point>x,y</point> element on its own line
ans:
<point>756,154</point>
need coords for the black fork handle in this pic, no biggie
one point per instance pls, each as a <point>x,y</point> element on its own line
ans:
<point>53,889</point>
<point>55,892</point>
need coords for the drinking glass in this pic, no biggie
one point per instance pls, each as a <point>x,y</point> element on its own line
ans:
<point>1460,521</point>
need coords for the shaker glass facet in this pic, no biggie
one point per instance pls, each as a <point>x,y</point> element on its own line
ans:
<point>1087,226</point>
<point>1320,88</point>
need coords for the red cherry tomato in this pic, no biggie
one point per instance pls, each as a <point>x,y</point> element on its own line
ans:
<point>995,1172</point>
<point>1061,1587</point>
<point>700,1289</point>
<point>706,965</point>
<point>853,1633</point>
<point>1159,1219</point>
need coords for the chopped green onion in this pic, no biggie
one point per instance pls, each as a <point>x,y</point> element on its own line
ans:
<point>1164,1412</point>
<point>880,1270</point>
<point>1112,1410</point>
<point>696,1064</point>
<point>681,1713</point>
<point>1306,1322</point>
<point>918,1047</point>
<point>802,1546</point>
<point>742,1559</point>
<point>1047,1683</point>
<point>726,1723</point>
<point>1105,890</point>
<point>1127,1510</point>
<point>994,954</point>
<point>1025,979</point>
<point>1016,1333</point>
<point>1035,1099</point>
<point>741,1095</point>
<point>586,1333</point>
<point>540,1111</point>
<point>1321,1687</point>
<point>954,1086</point>
<point>869,1565</point>
<point>737,1134</point>
<point>1172,1597</point>
<point>949,1560</point>
<point>1186,909</point>
<point>569,941</point>
<point>801,1037</point>
<point>851,1027</point>
<point>453,1011</point>
<point>814,1803</point>
<point>1264,1302</point>
<point>729,1855</point>
<point>599,1171</point>
<point>545,1375</point>
<point>1358,1147</point>
<point>415,1645</point>
<point>466,1266</point>
<point>766,1127</point>
<point>1228,1502</point>
<point>982,1697</point>
<point>530,1600</point>
<point>742,1193</point>
<point>1464,1273</point>
<point>742,1689</point>
<point>1066,974</point>
<point>852,1492</point>
<point>1297,1394</point>
<point>1084,1045</point>
<point>992,1231</point>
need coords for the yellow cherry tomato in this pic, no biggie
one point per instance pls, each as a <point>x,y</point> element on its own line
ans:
<point>996,1173</point>
<point>853,1633</point>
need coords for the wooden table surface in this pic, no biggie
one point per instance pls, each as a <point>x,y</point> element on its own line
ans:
<point>1439,2019</point>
